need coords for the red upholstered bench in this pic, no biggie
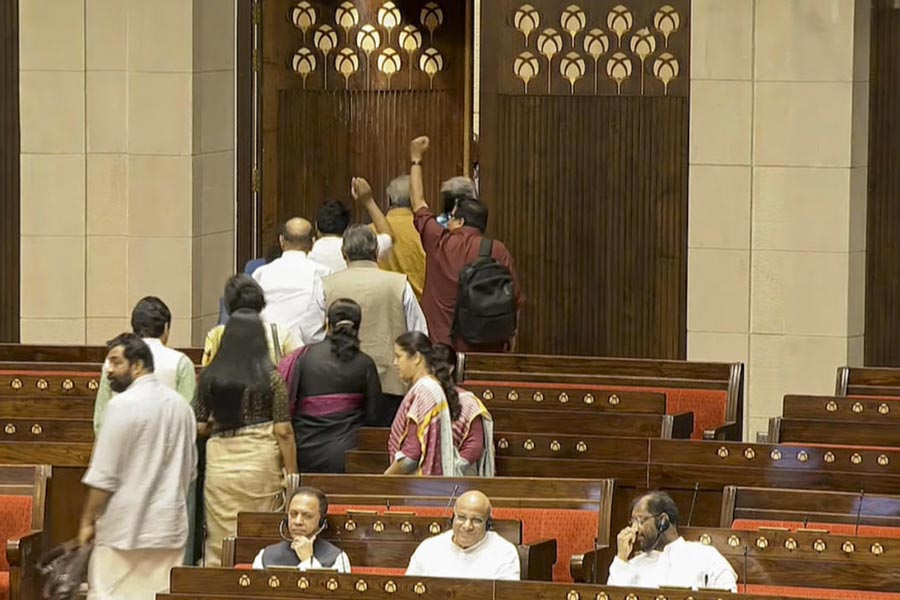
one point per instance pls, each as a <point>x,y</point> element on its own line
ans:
<point>708,406</point>
<point>15,521</point>
<point>574,530</point>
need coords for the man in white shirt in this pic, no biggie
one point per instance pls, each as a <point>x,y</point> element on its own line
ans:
<point>152,320</point>
<point>664,558</point>
<point>288,283</point>
<point>333,220</point>
<point>301,546</point>
<point>469,550</point>
<point>142,466</point>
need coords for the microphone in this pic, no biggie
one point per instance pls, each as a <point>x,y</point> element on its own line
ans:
<point>744,568</point>
<point>693,502</point>
<point>452,497</point>
<point>862,493</point>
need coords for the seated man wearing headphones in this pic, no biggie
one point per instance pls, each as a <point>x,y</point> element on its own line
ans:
<point>470,550</point>
<point>307,509</point>
<point>665,559</point>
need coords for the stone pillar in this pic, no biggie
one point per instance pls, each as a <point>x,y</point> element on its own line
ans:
<point>52,116</point>
<point>798,214</point>
<point>128,168</point>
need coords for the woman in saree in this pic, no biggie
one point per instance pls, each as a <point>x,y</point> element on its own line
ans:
<point>440,429</point>
<point>242,404</point>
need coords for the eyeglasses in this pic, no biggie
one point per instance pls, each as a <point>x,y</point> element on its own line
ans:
<point>475,521</point>
<point>639,521</point>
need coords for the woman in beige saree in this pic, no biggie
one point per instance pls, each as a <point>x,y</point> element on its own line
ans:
<point>242,404</point>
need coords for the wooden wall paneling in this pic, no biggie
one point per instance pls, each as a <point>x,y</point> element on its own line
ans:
<point>9,171</point>
<point>321,125</point>
<point>584,165</point>
<point>246,242</point>
<point>883,215</point>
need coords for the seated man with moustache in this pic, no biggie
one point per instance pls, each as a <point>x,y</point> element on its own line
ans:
<point>470,550</point>
<point>664,558</point>
<point>302,547</point>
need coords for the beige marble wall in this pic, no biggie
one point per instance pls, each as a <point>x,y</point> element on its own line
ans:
<point>127,163</point>
<point>778,183</point>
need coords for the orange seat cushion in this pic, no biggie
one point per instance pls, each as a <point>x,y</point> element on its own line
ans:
<point>15,521</point>
<point>835,528</point>
<point>822,593</point>
<point>573,530</point>
<point>4,585</point>
<point>708,406</point>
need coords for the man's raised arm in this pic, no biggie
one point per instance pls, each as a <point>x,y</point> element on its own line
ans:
<point>417,149</point>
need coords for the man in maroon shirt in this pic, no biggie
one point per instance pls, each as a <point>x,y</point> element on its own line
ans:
<point>447,251</point>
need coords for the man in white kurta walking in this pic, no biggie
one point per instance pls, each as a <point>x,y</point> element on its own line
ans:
<point>664,558</point>
<point>143,463</point>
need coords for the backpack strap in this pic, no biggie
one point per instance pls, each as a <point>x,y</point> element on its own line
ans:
<point>487,245</point>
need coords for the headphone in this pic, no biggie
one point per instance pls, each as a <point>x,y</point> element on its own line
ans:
<point>283,526</point>
<point>662,525</point>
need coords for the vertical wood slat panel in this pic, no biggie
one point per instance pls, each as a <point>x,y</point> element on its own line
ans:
<point>883,215</point>
<point>591,198</point>
<point>368,135</point>
<point>9,171</point>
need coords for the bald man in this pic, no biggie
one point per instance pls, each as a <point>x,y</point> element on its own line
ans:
<point>289,284</point>
<point>470,550</point>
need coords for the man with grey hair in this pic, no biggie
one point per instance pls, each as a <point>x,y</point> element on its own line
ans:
<point>389,309</point>
<point>407,256</point>
<point>454,191</point>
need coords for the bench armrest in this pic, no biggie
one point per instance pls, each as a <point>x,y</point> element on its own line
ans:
<point>587,567</point>
<point>23,554</point>
<point>228,552</point>
<point>727,432</point>
<point>537,560</point>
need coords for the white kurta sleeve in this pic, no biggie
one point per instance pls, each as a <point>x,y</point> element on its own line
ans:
<point>721,575</point>
<point>510,569</point>
<point>622,573</point>
<point>415,564</point>
<point>257,562</point>
<point>385,245</point>
<point>415,318</point>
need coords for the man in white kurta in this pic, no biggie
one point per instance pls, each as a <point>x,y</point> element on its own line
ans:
<point>664,558</point>
<point>288,283</point>
<point>141,469</point>
<point>469,550</point>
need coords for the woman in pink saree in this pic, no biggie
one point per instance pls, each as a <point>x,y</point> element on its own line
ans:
<point>439,429</point>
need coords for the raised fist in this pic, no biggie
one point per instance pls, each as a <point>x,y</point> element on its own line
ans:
<point>360,189</point>
<point>418,147</point>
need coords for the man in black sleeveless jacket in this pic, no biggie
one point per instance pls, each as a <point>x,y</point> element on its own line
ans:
<point>301,546</point>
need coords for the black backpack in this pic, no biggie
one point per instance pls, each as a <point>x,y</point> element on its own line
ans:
<point>486,304</point>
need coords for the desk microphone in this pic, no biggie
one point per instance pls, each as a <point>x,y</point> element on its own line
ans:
<point>862,494</point>
<point>744,568</point>
<point>693,501</point>
<point>452,497</point>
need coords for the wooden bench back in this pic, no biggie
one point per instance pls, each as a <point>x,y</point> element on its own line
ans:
<point>810,559</point>
<point>572,397</point>
<point>837,420</point>
<point>221,584</point>
<point>68,354</point>
<point>657,375</point>
<point>812,506</point>
<point>867,381</point>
